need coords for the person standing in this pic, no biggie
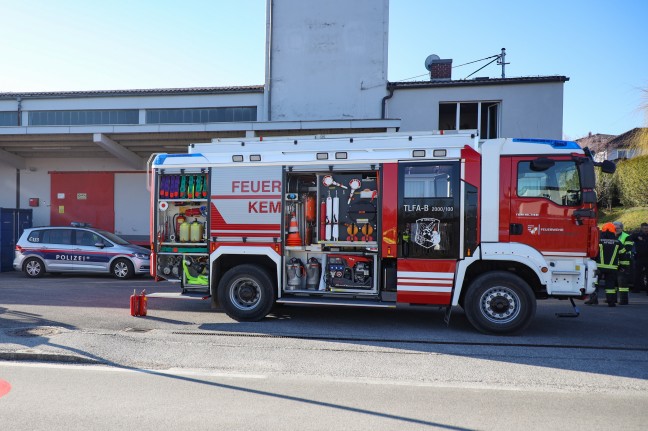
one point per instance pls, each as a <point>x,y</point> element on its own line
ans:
<point>625,254</point>
<point>640,240</point>
<point>607,262</point>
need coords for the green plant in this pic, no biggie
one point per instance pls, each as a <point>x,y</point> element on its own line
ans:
<point>630,217</point>
<point>631,180</point>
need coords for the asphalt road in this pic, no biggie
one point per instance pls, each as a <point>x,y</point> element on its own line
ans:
<point>378,369</point>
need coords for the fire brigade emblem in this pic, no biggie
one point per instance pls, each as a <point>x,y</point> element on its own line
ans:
<point>427,233</point>
<point>533,230</point>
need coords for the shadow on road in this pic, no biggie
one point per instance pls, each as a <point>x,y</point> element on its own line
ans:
<point>578,344</point>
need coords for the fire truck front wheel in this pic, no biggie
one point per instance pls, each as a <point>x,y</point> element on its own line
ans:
<point>246,293</point>
<point>499,303</point>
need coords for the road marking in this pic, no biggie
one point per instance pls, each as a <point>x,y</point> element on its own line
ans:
<point>5,387</point>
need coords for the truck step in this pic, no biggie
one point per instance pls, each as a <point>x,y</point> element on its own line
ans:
<point>344,302</point>
<point>179,295</point>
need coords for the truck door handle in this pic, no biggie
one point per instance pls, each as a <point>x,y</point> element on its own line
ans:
<point>515,229</point>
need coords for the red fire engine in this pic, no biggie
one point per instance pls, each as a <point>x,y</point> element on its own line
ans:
<point>378,221</point>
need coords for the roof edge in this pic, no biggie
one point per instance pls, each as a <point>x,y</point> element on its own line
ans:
<point>133,92</point>
<point>479,82</point>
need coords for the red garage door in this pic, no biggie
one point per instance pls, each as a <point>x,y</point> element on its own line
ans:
<point>87,197</point>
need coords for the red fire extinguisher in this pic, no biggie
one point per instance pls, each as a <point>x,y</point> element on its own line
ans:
<point>138,303</point>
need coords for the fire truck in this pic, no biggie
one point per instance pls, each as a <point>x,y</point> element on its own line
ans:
<point>378,220</point>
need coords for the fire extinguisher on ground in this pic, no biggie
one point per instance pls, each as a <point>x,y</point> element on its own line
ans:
<point>138,303</point>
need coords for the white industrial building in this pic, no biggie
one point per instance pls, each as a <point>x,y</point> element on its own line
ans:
<point>82,155</point>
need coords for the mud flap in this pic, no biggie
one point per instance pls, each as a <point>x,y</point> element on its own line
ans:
<point>446,318</point>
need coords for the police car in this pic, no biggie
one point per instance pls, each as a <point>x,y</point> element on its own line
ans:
<point>78,249</point>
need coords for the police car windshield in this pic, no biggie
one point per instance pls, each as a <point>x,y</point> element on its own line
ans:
<point>114,238</point>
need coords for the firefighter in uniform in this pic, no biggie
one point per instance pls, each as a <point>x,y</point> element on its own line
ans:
<point>608,263</point>
<point>625,260</point>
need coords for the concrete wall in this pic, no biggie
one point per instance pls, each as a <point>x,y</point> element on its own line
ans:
<point>328,60</point>
<point>132,200</point>
<point>527,111</point>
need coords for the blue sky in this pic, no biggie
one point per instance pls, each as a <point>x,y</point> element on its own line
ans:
<point>89,45</point>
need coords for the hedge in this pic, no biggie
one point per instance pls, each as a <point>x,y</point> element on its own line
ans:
<point>631,178</point>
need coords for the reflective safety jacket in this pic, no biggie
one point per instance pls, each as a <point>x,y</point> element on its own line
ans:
<point>625,254</point>
<point>609,248</point>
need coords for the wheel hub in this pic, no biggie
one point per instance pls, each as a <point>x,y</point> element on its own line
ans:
<point>500,304</point>
<point>247,293</point>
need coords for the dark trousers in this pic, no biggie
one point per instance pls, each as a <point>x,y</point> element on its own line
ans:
<point>640,272</point>
<point>607,278</point>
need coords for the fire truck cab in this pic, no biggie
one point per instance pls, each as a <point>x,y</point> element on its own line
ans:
<point>381,220</point>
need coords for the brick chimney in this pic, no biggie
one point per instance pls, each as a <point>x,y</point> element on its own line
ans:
<point>441,70</point>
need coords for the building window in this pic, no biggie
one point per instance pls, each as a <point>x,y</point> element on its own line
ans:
<point>625,154</point>
<point>8,118</point>
<point>482,116</point>
<point>201,115</point>
<point>83,118</point>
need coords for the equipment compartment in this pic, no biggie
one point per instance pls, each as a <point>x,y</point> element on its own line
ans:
<point>181,245</point>
<point>348,204</point>
<point>330,273</point>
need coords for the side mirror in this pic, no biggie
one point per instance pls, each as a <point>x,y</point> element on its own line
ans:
<point>100,245</point>
<point>607,167</point>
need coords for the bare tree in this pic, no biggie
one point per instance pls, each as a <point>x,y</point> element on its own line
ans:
<point>641,139</point>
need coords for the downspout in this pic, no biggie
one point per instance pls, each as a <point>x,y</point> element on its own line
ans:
<point>267,95</point>
<point>18,188</point>
<point>390,88</point>
<point>19,111</point>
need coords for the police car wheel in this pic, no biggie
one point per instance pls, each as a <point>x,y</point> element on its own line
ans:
<point>246,293</point>
<point>499,302</point>
<point>122,268</point>
<point>34,268</point>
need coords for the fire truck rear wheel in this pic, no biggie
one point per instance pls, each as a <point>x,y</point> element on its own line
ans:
<point>499,303</point>
<point>246,293</point>
<point>122,268</point>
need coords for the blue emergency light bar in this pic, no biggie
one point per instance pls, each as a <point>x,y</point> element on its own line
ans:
<point>570,145</point>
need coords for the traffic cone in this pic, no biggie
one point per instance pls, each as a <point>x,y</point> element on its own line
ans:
<point>294,239</point>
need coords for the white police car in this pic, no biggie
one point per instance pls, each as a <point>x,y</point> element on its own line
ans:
<point>78,249</point>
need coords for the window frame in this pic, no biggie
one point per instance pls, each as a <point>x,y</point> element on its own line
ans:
<point>483,124</point>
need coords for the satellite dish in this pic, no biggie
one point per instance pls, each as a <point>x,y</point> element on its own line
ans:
<point>429,60</point>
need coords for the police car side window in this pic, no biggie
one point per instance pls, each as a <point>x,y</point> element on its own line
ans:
<point>86,238</point>
<point>35,236</point>
<point>58,236</point>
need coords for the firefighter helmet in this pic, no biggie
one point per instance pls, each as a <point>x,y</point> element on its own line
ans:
<point>608,227</point>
